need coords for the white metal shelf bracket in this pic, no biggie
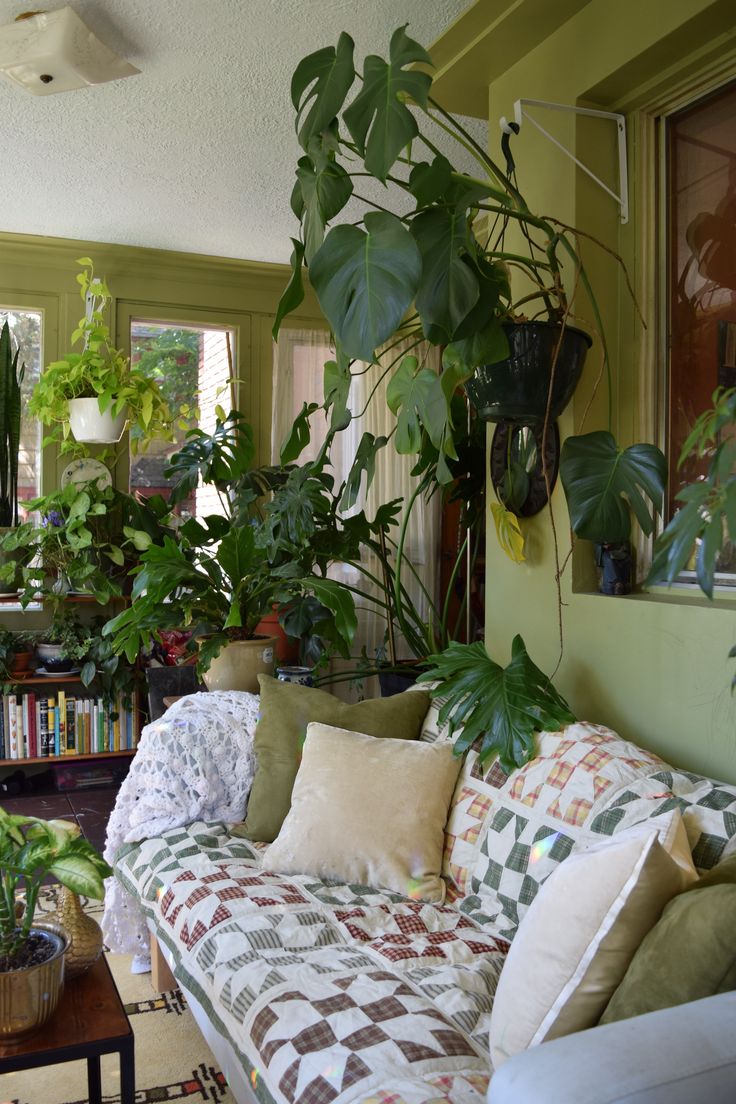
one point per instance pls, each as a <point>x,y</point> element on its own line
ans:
<point>622,197</point>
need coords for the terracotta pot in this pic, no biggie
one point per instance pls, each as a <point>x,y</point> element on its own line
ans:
<point>240,662</point>
<point>28,997</point>
<point>89,425</point>
<point>20,664</point>
<point>287,648</point>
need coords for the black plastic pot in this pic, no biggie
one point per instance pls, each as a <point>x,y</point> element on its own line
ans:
<point>396,682</point>
<point>615,565</point>
<point>515,390</point>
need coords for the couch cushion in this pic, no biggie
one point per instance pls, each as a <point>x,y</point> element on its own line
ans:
<point>539,814</point>
<point>368,810</point>
<point>286,710</point>
<point>380,993</point>
<point>576,941</point>
<point>689,954</point>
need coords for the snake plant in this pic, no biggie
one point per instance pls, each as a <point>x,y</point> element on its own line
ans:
<point>10,410</point>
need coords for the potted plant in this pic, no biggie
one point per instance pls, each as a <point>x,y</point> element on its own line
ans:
<point>16,653</point>
<point>218,577</point>
<point>10,415</point>
<point>65,644</point>
<point>93,394</point>
<point>604,485</point>
<point>31,953</point>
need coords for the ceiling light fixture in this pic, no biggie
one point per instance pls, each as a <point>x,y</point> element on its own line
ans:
<point>46,52</point>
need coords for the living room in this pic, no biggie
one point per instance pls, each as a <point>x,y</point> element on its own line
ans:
<point>182,202</point>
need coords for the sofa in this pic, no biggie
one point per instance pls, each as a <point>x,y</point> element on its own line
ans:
<point>311,990</point>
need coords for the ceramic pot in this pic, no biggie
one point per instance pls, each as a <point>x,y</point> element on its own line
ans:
<point>92,427</point>
<point>303,676</point>
<point>29,997</point>
<point>53,658</point>
<point>239,664</point>
<point>84,934</point>
<point>515,390</point>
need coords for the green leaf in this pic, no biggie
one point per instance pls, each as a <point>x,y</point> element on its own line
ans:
<point>322,79</point>
<point>340,601</point>
<point>366,280</point>
<point>428,181</point>
<point>236,553</point>
<point>365,461</point>
<point>336,383</point>
<point>378,119</point>
<point>417,398</point>
<point>448,288</point>
<point>508,531</point>
<point>324,191</point>
<point>300,434</point>
<point>602,482</point>
<point>88,673</point>
<point>293,293</point>
<point>501,708</point>
<point>79,874</point>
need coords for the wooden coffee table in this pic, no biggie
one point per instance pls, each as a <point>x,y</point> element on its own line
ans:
<point>90,1021</point>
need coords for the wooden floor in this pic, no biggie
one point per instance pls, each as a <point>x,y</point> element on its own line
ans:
<point>90,808</point>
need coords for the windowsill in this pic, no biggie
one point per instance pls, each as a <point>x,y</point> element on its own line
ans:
<point>16,607</point>
<point>678,594</point>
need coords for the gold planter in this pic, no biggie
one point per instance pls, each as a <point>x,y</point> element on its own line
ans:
<point>239,664</point>
<point>29,997</point>
<point>83,934</point>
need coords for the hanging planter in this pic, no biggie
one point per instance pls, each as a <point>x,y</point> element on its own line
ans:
<point>516,389</point>
<point>92,426</point>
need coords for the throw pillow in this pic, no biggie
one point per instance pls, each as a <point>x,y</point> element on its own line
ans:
<point>368,811</point>
<point>581,931</point>
<point>690,953</point>
<point>285,711</point>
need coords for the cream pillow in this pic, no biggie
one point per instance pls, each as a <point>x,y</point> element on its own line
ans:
<point>369,812</point>
<point>575,943</point>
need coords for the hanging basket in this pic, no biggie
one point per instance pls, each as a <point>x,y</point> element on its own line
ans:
<point>515,390</point>
<point>92,427</point>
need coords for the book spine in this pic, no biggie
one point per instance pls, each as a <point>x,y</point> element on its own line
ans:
<point>32,731</point>
<point>79,724</point>
<point>3,749</point>
<point>87,724</point>
<point>26,726</point>
<point>39,752</point>
<point>71,727</point>
<point>101,733</point>
<point>13,728</point>
<point>54,726</point>
<point>61,721</point>
<point>43,725</point>
<point>116,730</point>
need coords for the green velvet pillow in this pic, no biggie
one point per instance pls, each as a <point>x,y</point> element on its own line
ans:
<point>286,710</point>
<point>690,953</point>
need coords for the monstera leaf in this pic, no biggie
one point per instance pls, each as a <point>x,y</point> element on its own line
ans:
<point>325,188</point>
<point>603,483</point>
<point>448,289</point>
<point>378,119</point>
<point>500,707</point>
<point>366,280</point>
<point>319,86</point>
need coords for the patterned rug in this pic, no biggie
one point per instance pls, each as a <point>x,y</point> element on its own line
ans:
<point>172,1060</point>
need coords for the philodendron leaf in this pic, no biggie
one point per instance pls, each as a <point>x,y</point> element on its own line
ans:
<point>322,80</point>
<point>378,119</point>
<point>501,708</point>
<point>603,482</point>
<point>293,293</point>
<point>325,190</point>
<point>448,289</point>
<point>416,396</point>
<point>336,382</point>
<point>300,435</point>
<point>340,602</point>
<point>365,461</point>
<point>366,280</point>
<point>508,531</point>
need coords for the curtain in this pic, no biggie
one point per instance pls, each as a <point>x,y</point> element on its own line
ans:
<point>298,368</point>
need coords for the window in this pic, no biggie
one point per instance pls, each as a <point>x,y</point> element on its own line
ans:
<point>192,365</point>
<point>26,328</point>
<point>700,141</point>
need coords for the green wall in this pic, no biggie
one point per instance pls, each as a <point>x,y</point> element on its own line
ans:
<point>652,666</point>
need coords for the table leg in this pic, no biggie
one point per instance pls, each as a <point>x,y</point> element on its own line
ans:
<point>127,1073</point>
<point>94,1080</point>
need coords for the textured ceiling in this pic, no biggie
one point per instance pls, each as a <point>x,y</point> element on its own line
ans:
<point>198,152</point>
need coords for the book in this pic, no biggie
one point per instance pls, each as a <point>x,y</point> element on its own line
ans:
<point>13,727</point>
<point>71,726</point>
<point>43,726</point>
<point>88,725</point>
<point>61,723</point>
<point>32,732</point>
<point>25,726</point>
<point>79,724</point>
<point>3,754</point>
<point>53,728</point>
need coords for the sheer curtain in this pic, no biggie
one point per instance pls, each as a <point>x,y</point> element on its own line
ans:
<point>298,369</point>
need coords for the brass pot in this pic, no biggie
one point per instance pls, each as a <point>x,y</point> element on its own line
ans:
<point>84,934</point>
<point>29,997</point>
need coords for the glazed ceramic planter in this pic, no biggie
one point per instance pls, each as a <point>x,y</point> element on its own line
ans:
<point>92,427</point>
<point>29,997</point>
<point>239,664</point>
<point>53,658</point>
<point>516,389</point>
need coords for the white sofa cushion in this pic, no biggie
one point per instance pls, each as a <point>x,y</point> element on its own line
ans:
<point>575,943</point>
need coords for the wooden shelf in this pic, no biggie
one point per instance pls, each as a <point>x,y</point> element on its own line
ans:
<point>68,758</point>
<point>40,680</point>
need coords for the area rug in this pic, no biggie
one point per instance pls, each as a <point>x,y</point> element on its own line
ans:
<point>172,1060</point>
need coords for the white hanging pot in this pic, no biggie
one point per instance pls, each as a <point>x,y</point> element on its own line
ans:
<point>92,427</point>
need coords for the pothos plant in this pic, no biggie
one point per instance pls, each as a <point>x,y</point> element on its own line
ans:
<point>30,850</point>
<point>101,371</point>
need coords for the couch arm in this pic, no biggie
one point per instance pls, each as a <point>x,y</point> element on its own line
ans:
<point>675,1056</point>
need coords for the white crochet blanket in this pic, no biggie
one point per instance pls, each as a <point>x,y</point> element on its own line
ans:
<point>195,763</point>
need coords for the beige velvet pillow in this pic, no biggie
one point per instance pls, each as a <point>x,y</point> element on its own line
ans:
<point>582,929</point>
<point>368,811</point>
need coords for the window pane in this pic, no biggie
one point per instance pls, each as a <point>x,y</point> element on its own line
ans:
<point>26,331</point>
<point>191,364</point>
<point>701,200</point>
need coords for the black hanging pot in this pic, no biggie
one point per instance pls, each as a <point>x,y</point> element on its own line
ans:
<point>515,390</point>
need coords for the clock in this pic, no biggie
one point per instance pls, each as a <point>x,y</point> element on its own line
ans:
<point>87,470</point>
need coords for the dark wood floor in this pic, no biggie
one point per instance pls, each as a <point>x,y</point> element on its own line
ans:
<point>90,808</point>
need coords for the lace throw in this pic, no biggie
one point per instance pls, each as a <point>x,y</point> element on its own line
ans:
<point>195,763</point>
